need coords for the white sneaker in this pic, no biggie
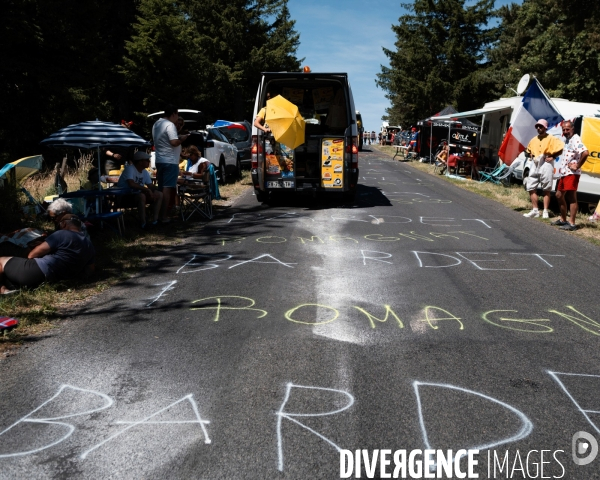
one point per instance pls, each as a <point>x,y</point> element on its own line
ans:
<point>532,214</point>
<point>545,214</point>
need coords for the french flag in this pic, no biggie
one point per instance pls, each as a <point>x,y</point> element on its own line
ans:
<point>534,106</point>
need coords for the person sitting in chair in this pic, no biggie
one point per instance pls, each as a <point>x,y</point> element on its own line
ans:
<point>442,157</point>
<point>137,177</point>
<point>197,164</point>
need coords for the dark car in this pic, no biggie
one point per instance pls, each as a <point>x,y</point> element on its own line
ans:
<point>240,134</point>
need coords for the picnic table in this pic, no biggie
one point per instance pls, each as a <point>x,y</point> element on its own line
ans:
<point>401,150</point>
<point>461,162</point>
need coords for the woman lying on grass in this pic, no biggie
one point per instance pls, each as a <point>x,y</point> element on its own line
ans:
<point>66,253</point>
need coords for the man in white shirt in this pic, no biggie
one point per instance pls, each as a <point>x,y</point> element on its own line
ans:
<point>573,157</point>
<point>136,177</point>
<point>167,145</point>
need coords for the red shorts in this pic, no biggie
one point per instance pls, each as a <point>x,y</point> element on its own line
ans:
<point>568,183</point>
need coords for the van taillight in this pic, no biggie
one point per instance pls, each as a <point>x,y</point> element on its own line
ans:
<point>255,151</point>
<point>352,151</point>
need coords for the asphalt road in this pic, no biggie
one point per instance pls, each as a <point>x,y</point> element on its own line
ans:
<point>421,316</point>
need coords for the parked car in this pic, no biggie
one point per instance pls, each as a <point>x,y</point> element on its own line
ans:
<point>221,153</point>
<point>215,147</point>
<point>240,134</point>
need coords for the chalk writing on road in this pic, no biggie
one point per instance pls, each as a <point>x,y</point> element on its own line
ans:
<point>375,256</point>
<point>334,402</point>
<point>433,221</point>
<point>455,261</point>
<point>579,377</point>
<point>168,286</point>
<point>30,418</point>
<point>204,262</point>
<point>271,239</point>
<point>320,314</point>
<point>481,261</point>
<point>375,219</point>
<point>529,325</point>
<point>524,430</point>
<point>264,255</point>
<point>148,421</point>
<point>373,237</point>
<point>436,314</point>
<point>293,417</point>
<point>334,314</point>
<point>107,402</point>
<point>259,217</point>
<point>222,302</point>
<point>388,313</point>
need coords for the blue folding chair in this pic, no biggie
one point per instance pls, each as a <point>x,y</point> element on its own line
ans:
<point>495,176</point>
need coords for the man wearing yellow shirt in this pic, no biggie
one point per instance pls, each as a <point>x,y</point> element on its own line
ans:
<point>259,121</point>
<point>541,175</point>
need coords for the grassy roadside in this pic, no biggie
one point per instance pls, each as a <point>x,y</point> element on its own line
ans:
<point>117,258</point>
<point>514,197</point>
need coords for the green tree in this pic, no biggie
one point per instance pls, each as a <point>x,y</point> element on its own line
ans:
<point>440,50</point>
<point>59,67</point>
<point>207,54</point>
<point>555,42</point>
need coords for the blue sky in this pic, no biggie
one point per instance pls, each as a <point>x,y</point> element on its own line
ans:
<point>348,36</point>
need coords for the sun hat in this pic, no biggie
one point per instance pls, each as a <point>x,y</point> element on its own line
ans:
<point>543,123</point>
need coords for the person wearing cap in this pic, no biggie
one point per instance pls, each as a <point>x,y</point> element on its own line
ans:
<point>414,136</point>
<point>137,177</point>
<point>574,156</point>
<point>543,148</point>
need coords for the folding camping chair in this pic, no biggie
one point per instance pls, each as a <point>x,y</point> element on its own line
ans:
<point>495,176</point>
<point>195,197</point>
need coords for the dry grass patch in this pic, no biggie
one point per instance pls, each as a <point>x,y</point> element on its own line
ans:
<point>231,191</point>
<point>117,258</point>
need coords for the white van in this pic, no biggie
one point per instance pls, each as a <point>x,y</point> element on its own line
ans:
<point>327,161</point>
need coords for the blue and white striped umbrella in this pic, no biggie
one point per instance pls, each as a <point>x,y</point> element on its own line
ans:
<point>94,134</point>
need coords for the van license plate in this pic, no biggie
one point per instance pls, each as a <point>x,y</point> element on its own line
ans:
<point>280,184</point>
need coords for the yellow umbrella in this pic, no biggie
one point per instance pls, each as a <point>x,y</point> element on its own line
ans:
<point>285,122</point>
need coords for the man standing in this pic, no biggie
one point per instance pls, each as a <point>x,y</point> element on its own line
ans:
<point>541,176</point>
<point>574,156</point>
<point>167,145</point>
<point>414,138</point>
